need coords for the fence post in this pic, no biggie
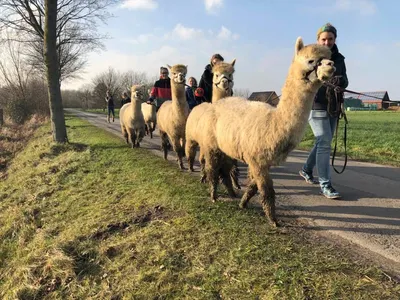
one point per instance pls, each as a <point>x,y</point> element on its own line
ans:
<point>1,117</point>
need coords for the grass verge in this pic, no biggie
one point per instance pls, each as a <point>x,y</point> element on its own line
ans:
<point>96,219</point>
<point>13,138</point>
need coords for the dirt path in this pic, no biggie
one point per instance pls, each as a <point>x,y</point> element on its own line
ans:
<point>366,220</point>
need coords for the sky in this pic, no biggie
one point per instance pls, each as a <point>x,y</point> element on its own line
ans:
<point>260,34</point>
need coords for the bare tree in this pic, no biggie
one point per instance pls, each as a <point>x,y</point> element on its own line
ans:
<point>60,28</point>
<point>23,92</point>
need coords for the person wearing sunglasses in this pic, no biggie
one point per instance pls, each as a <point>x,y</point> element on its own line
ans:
<point>161,90</point>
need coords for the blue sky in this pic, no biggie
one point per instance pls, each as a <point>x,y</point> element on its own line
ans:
<point>260,34</point>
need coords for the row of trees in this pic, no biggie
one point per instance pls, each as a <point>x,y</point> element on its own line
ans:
<point>55,36</point>
<point>93,95</point>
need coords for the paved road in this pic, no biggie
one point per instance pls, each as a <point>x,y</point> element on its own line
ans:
<point>368,217</point>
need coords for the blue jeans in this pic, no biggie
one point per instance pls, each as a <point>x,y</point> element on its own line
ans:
<point>323,127</point>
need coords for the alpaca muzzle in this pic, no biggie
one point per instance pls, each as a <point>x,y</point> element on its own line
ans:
<point>224,83</point>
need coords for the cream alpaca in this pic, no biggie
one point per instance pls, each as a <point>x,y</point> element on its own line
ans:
<point>131,118</point>
<point>199,128</point>
<point>150,117</point>
<point>261,135</point>
<point>172,115</point>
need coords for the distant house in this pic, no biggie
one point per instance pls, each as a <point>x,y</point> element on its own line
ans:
<point>379,98</point>
<point>269,97</point>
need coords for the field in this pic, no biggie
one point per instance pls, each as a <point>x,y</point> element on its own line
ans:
<point>95,219</point>
<point>372,136</point>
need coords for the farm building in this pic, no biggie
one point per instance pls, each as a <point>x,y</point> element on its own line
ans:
<point>380,99</point>
<point>269,97</point>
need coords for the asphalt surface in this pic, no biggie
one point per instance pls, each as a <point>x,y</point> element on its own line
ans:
<point>367,217</point>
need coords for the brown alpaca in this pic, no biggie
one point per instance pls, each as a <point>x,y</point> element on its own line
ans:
<point>131,118</point>
<point>172,115</point>
<point>199,131</point>
<point>261,135</point>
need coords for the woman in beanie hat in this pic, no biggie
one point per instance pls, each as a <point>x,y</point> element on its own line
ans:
<point>323,117</point>
<point>206,78</point>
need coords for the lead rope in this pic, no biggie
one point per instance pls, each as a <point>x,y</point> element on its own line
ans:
<point>340,111</point>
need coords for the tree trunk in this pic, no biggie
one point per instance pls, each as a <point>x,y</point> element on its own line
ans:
<point>53,73</point>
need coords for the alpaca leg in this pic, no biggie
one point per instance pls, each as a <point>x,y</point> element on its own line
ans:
<point>151,129</point>
<point>249,193</point>
<point>164,143</point>
<point>190,149</point>
<point>269,202</point>
<point>138,138</point>
<point>202,160</point>
<point>251,190</point>
<point>146,129</point>
<point>234,174</point>
<point>133,138</point>
<point>129,136</point>
<point>212,172</point>
<point>225,175</point>
<point>179,150</point>
<point>125,134</point>
<point>267,193</point>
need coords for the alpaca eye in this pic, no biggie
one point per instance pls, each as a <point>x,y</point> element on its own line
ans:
<point>311,61</point>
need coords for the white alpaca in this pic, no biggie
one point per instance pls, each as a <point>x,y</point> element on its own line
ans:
<point>199,130</point>
<point>261,135</point>
<point>172,115</point>
<point>131,118</point>
<point>150,117</point>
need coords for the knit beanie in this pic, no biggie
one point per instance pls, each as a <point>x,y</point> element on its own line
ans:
<point>328,27</point>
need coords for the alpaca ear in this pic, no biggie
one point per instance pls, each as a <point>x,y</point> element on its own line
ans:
<point>299,45</point>
<point>169,67</point>
<point>233,62</point>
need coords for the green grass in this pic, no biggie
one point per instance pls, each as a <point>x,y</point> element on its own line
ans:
<point>96,219</point>
<point>372,136</point>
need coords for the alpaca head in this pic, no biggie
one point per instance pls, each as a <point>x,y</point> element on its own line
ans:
<point>178,73</point>
<point>137,92</point>
<point>223,76</point>
<point>312,63</point>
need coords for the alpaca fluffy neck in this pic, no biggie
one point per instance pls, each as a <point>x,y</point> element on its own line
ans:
<point>136,106</point>
<point>218,94</point>
<point>295,105</point>
<point>178,96</point>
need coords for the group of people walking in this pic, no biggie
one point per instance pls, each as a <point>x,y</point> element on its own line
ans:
<point>323,117</point>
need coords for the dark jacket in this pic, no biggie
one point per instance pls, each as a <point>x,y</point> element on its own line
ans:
<point>190,97</point>
<point>110,101</point>
<point>124,101</point>
<point>321,99</point>
<point>206,83</point>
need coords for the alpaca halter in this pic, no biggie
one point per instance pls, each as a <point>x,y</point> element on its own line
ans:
<point>229,81</point>
<point>315,69</point>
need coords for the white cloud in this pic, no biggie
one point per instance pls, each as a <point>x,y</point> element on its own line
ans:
<point>139,4</point>
<point>184,33</point>
<point>226,34</point>
<point>141,39</point>
<point>213,5</point>
<point>364,7</point>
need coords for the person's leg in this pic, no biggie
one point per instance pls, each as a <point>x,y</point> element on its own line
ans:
<point>323,128</point>
<point>307,170</point>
